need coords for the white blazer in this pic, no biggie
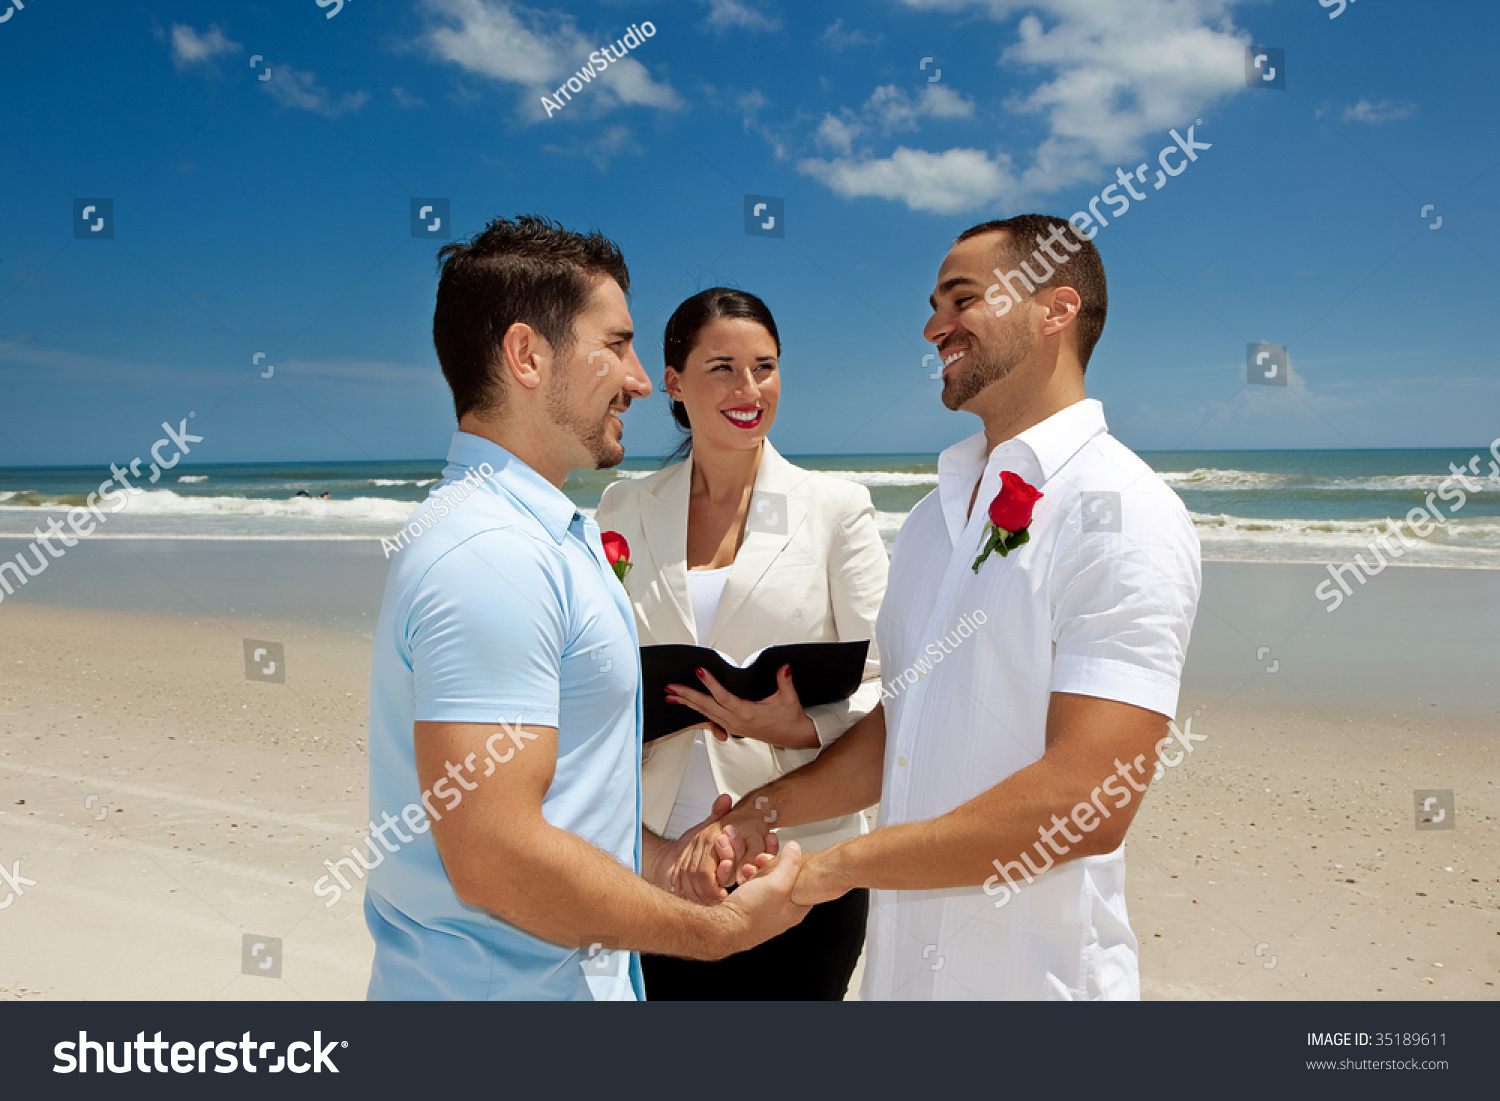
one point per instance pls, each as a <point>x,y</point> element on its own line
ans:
<point>812,568</point>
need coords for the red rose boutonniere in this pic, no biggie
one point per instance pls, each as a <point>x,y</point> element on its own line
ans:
<point>616,552</point>
<point>1010,517</point>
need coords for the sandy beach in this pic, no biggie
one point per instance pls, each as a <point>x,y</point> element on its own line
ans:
<point>166,805</point>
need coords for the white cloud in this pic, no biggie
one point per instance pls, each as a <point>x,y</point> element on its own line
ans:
<point>838,134</point>
<point>891,110</point>
<point>906,174</point>
<point>537,51</point>
<point>190,48</point>
<point>1120,73</point>
<point>294,88</point>
<point>939,183</point>
<point>602,148</point>
<point>837,39</point>
<point>727,15</point>
<point>894,110</point>
<point>1375,113</point>
<point>749,105</point>
<point>1109,76</point>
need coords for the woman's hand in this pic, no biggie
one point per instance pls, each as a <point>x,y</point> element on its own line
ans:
<point>776,720</point>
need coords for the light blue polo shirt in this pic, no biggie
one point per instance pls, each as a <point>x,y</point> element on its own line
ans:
<point>501,606</point>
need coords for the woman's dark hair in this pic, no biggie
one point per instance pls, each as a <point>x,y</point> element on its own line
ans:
<point>529,270</point>
<point>686,325</point>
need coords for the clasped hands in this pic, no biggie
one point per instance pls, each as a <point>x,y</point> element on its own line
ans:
<point>704,862</point>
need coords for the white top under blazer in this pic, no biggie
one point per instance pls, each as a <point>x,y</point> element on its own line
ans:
<point>812,568</point>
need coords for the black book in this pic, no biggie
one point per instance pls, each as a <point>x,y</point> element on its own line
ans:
<point>822,672</point>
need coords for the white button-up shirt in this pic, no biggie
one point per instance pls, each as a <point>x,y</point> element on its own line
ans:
<point>1099,603</point>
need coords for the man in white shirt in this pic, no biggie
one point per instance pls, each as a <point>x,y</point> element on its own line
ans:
<point>1027,696</point>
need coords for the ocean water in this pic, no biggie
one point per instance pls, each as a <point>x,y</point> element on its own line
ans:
<point>1277,506</point>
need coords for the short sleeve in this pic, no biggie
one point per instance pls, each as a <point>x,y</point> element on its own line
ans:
<point>1123,607</point>
<point>487,630</point>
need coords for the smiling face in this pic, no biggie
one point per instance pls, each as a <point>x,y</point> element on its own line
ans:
<point>977,348</point>
<point>730,384</point>
<point>597,379</point>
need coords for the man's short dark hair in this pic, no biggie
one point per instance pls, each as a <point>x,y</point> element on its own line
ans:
<point>1083,271</point>
<point>529,270</point>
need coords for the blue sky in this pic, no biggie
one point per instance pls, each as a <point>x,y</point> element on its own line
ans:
<point>274,215</point>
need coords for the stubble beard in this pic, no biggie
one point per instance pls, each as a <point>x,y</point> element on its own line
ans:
<point>592,435</point>
<point>982,368</point>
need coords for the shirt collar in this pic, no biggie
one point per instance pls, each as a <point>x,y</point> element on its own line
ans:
<point>1036,455</point>
<point>1062,435</point>
<point>531,491</point>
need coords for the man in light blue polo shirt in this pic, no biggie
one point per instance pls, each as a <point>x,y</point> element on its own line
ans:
<point>505,714</point>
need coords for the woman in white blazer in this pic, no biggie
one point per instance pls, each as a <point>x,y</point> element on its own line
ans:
<point>737,549</point>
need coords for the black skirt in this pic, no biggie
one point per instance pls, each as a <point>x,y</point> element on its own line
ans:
<point>811,961</point>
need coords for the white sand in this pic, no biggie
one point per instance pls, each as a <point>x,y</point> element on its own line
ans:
<point>225,796</point>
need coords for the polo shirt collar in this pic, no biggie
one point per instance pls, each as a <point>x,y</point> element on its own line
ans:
<point>531,491</point>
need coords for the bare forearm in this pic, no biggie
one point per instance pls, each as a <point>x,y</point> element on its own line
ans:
<point>557,886</point>
<point>955,849</point>
<point>653,848</point>
<point>844,778</point>
<point>1050,811</point>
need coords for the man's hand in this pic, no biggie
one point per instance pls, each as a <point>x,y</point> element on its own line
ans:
<point>661,865</point>
<point>706,857</point>
<point>820,880</point>
<point>763,905</point>
<point>777,720</point>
